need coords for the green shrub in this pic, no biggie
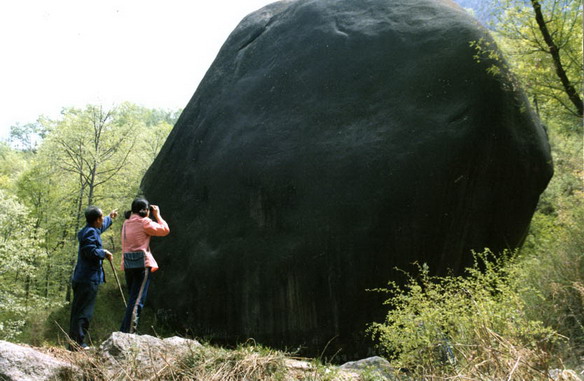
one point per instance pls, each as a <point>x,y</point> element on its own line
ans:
<point>555,268</point>
<point>474,325</point>
<point>552,258</point>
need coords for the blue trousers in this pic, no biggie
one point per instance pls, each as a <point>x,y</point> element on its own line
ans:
<point>84,295</point>
<point>137,281</point>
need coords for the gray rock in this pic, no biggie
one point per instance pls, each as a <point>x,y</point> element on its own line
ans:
<point>19,363</point>
<point>147,353</point>
<point>375,361</point>
<point>329,142</point>
<point>564,375</point>
<point>375,368</point>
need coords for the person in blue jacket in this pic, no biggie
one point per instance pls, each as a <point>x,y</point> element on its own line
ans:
<point>88,274</point>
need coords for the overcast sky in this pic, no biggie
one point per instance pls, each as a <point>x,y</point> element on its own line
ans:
<point>60,53</point>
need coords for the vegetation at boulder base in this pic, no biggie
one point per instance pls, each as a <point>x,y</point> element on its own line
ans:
<point>516,316</point>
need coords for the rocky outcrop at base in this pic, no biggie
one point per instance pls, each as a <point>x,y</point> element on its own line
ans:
<point>148,354</point>
<point>136,357</point>
<point>377,367</point>
<point>132,357</point>
<point>122,356</point>
<point>20,363</point>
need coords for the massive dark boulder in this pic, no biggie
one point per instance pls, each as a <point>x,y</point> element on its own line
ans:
<point>330,141</point>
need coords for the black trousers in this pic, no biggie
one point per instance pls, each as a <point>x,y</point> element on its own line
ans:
<point>137,281</point>
<point>84,296</point>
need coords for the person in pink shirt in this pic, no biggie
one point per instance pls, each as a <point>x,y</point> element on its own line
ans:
<point>138,262</point>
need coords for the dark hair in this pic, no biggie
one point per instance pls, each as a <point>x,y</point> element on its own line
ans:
<point>92,213</point>
<point>140,207</point>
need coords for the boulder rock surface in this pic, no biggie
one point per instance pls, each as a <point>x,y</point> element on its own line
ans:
<point>131,357</point>
<point>150,354</point>
<point>20,363</point>
<point>377,368</point>
<point>329,142</point>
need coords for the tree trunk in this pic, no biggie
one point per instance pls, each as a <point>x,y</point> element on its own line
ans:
<point>76,229</point>
<point>47,280</point>
<point>91,184</point>
<point>27,282</point>
<point>555,53</point>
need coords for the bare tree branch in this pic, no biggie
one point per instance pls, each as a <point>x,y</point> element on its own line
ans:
<point>555,53</point>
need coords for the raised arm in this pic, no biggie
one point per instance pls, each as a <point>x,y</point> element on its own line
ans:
<point>89,248</point>
<point>158,229</point>
<point>107,222</point>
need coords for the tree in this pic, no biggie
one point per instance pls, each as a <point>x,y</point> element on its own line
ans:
<point>21,257</point>
<point>52,170</point>
<point>45,192</point>
<point>543,40</point>
<point>87,156</point>
<point>91,146</point>
<point>553,50</point>
<point>27,137</point>
<point>12,163</point>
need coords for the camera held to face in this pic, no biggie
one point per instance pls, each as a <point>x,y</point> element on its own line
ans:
<point>152,208</point>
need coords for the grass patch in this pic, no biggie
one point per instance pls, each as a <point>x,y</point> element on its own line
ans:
<point>218,364</point>
<point>249,362</point>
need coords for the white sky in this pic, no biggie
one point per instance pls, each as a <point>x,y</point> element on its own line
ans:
<point>61,53</point>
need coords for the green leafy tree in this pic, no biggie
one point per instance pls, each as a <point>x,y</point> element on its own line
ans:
<point>49,172</point>
<point>21,258</point>
<point>27,137</point>
<point>151,127</point>
<point>43,189</point>
<point>543,42</point>
<point>90,145</point>
<point>12,163</point>
<point>87,156</point>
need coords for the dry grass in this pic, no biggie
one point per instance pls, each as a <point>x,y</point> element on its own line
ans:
<point>496,358</point>
<point>217,364</point>
<point>205,363</point>
<point>249,362</point>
